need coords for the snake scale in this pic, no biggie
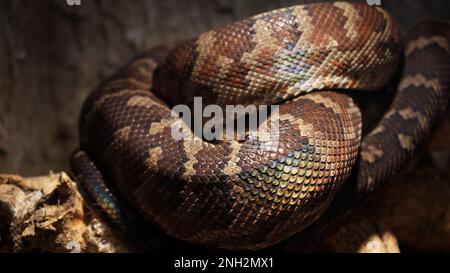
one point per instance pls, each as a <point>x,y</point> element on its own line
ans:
<point>308,59</point>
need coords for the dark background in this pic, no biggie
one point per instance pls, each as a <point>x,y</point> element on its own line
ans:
<point>52,55</point>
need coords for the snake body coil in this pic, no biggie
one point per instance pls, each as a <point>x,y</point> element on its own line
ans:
<point>233,194</point>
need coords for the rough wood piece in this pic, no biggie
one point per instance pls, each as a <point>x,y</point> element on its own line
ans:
<point>362,236</point>
<point>47,214</point>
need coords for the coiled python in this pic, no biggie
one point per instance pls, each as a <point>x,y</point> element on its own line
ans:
<point>234,194</point>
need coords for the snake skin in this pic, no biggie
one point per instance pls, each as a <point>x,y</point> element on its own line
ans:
<point>234,194</point>
<point>420,101</point>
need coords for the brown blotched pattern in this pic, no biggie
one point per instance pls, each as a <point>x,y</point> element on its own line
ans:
<point>254,193</point>
<point>281,54</point>
<point>420,101</point>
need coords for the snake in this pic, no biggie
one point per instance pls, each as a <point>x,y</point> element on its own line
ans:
<point>254,193</point>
